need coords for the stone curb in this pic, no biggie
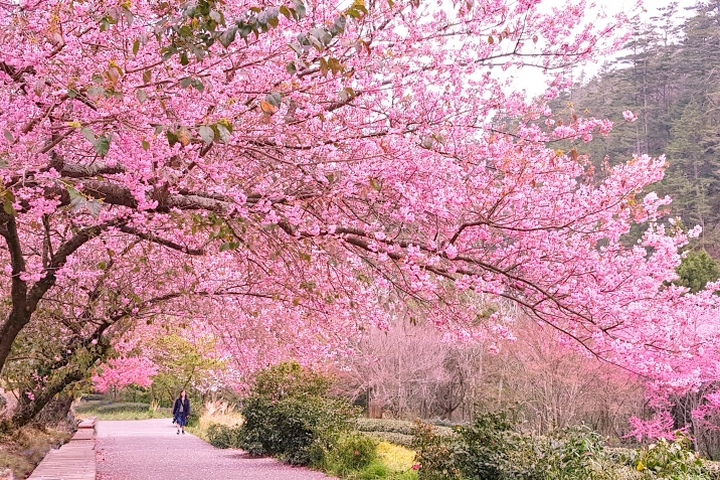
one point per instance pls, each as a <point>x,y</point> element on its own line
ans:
<point>73,461</point>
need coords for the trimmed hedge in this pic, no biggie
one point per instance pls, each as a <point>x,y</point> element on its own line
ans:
<point>403,427</point>
<point>392,437</point>
<point>112,407</point>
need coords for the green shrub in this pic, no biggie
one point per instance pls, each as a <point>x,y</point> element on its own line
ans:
<point>396,438</point>
<point>436,454</point>
<point>394,426</point>
<point>223,436</point>
<point>571,453</point>
<point>384,425</point>
<point>112,407</point>
<point>671,460</point>
<point>491,448</point>
<point>349,452</point>
<point>289,411</point>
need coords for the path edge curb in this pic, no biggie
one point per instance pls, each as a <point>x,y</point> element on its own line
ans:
<point>74,460</point>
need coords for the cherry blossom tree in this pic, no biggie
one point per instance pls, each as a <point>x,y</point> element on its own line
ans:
<point>122,372</point>
<point>290,164</point>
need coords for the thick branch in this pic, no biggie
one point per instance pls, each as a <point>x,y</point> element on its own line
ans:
<point>17,318</point>
<point>40,287</point>
<point>150,237</point>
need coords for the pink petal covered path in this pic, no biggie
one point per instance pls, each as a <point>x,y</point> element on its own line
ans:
<point>151,450</point>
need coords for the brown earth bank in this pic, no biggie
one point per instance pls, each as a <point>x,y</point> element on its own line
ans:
<point>22,449</point>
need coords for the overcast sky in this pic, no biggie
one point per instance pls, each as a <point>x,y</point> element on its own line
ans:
<point>533,82</point>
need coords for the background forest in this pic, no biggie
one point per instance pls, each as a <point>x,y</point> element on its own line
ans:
<point>669,77</point>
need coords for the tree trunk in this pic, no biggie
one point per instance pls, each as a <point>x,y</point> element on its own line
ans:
<point>56,411</point>
<point>28,408</point>
<point>9,330</point>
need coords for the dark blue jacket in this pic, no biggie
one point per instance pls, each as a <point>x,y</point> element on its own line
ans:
<point>186,407</point>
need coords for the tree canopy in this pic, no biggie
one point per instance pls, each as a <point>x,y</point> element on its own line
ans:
<point>277,176</point>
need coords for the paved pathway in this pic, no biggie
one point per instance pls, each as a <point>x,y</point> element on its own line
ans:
<point>73,461</point>
<point>151,450</point>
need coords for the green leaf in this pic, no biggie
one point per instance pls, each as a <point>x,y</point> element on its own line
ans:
<point>145,145</point>
<point>207,134</point>
<point>141,95</point>
<point>299,9</point>
<point>96,91</point>
<point>88,134</point>
<point>8,207</point>
<point>228,36</point>
<point>197,84</point>
<point>102,145</point>
<point>8,198</point>
<point>184,58</point>
<point>291,68</point>
<point>286,11</point>
<point>185,82</point>
<point>339,24</point>
<point>9,136</point>
<point>73,192</point>
<point>224,133</point>
<point>136,47</point>
<point>374,184</point>
<point>322,35</point>
<point>172,138</point>
<point>297,48</point>
<point>147,76</point>
<point>217,16</point>
<point>72,93</point>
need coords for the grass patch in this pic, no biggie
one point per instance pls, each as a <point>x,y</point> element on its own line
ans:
<point>395,457</point>
<point>377,470</point>
<point>21,450</point>
<point>350,460</point>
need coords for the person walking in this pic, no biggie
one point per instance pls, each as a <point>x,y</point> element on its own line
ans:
<point>181,410</point>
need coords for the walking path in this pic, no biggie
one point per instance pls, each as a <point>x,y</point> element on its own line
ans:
<point>150,450</point>
<point>73,461</point>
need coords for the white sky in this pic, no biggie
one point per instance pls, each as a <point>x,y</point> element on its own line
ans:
<point>532,81</point>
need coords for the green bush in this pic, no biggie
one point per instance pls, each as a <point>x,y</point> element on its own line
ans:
<point>223,436</point>
<point>348,452</point>
<point>112,407</point>
<point>396,438</point>
<point>435,454</point>
<point>394,426</point>
<point>571,453</point>
<point>671,460</point>
<point>492,448</point>
<point>288,411</point>
<point>384,425</point>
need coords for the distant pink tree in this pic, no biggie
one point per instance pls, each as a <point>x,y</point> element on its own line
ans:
<point>118,373</point>
<point>660,426</point>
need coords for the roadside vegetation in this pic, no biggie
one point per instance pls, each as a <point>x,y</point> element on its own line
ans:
<point>291,414</point>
